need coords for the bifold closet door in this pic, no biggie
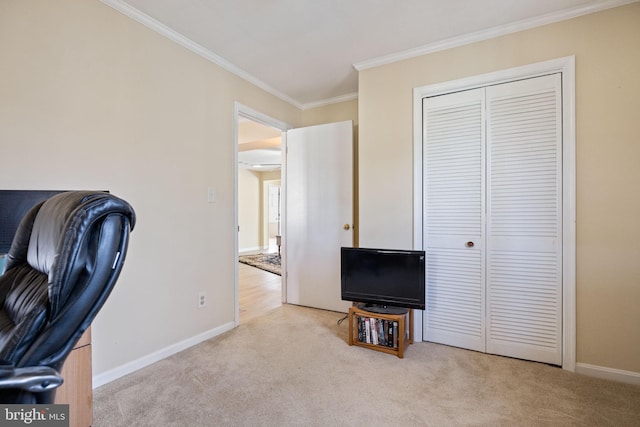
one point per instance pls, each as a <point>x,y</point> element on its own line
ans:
<point>524,221</point>
<point>493,219</point>
<point>454,171</point>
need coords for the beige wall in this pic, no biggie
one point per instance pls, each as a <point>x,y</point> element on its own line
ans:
<point>253,195</point>
<point>606,46</point>
<point>347,110</point>
<point>90,99</point>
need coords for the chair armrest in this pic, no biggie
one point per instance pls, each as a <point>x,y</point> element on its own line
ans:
<point>35,379</point>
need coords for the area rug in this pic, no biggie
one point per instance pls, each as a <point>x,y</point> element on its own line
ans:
<point>266,262</point>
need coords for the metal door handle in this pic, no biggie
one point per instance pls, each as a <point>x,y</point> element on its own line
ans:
<point>469,244</point>
<point>346,227</point>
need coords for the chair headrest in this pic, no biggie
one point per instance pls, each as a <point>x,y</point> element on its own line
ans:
<point>68,213</point>
<point>59,230</point>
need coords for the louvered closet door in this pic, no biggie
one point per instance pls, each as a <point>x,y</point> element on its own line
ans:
<point>454,214</point>
<point>493,219</point>
<point>524,228</point>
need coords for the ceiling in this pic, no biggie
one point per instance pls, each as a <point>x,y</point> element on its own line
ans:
<point>260,160</point>
<point>307,52</point>
<point>259,146</point>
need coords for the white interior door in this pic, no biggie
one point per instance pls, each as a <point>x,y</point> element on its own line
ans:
<point>318,207</point>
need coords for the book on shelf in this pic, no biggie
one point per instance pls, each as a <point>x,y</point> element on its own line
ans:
<point>380,332</point>
<point>395,334</point>
<point>367,331</point>
<point>383,338</point>
<point>373,322</point>
<point>385,332</point>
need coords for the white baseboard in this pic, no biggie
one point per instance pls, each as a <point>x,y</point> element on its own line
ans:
<point>127,368</point>
<point>628,377</point>
<point>250,250</point>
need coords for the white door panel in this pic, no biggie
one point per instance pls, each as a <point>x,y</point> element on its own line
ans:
<point>524,228</point>
<point>454,215</point>
<point>319,202</point>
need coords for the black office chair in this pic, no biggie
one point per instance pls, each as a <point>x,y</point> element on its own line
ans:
<point>63,263</point>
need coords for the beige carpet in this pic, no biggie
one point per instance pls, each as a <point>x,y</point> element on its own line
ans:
<point>293,367</point>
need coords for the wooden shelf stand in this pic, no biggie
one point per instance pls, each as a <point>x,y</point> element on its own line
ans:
<point>405,330</point>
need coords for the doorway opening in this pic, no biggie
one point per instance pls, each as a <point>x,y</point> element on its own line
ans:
<point>259,286</point>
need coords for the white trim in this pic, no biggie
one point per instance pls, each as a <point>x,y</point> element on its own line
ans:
<point>127,368</point>
<point>256,116</point>
<point>418,214</point>
<point>241,110</point>
<point>619,375</point>
<point>283,216</point>
<point>566,66</point>
<point>466,39</point>
<point>196,48</point>
<point>490,33</point>
<point>336,100</point>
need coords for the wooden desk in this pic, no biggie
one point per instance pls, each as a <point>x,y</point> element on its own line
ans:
<point>77,389</point>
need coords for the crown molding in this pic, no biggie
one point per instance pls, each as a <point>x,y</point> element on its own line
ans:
<point>337,99</point>
<point>490,33</point>
<point>196,48</point>
<point>200,50</point>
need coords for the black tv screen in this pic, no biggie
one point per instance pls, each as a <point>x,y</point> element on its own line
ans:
<point>383,277</point>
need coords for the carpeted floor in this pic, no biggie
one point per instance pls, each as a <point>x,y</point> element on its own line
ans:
<point>293,367</point>
<point>267,262</point>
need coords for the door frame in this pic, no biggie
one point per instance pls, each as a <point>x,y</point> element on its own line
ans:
<point>241,110</point>
<point>265,209</point>
<point>566,66</point>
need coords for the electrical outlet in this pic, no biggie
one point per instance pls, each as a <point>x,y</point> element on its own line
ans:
<point>202,300</point>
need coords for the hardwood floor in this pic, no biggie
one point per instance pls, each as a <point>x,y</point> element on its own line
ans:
<point>260,292</point>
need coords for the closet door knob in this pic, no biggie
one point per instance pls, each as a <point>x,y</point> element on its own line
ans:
<point>469,244</point>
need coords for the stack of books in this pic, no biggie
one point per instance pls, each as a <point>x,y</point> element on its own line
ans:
<point>377,331</point>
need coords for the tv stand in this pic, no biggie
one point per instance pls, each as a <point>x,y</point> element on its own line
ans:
<point>395,343</point>
<point>382,309</point>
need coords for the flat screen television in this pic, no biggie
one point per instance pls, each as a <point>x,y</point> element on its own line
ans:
<point>384,280</point>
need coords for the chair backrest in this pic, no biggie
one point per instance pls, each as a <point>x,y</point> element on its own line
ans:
<point>63,263</point>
